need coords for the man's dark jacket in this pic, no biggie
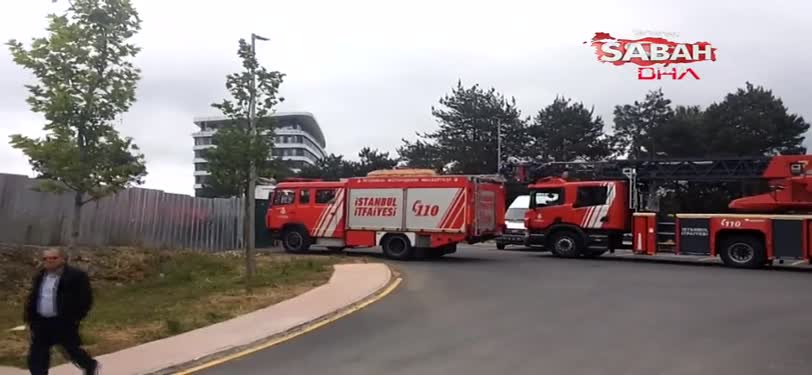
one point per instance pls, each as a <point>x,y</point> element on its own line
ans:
<point>74,296</point>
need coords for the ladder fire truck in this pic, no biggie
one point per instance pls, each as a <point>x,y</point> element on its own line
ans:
<point>584,209</point>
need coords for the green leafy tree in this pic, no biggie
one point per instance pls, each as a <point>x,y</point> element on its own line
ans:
<point>752,121</point>
<point>85,80</point>
<point>236,147</point>
<point>565,131</point>
<point>470,121</point>
<point>635,124</point>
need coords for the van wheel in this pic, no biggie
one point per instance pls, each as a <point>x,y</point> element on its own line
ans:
<point>295,240</point>
<point>742,251</point>
<point>397,246</point>
<point>565,244</point>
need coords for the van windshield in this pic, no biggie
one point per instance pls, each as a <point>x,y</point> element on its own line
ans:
<point>515,214</point>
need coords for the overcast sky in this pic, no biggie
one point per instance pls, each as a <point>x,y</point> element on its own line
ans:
<point>371,70</point>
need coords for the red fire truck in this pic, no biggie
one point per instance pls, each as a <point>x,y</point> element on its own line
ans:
<point>590,216</point>
<point>409,213</point>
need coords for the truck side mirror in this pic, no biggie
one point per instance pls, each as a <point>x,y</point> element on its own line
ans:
<point>796,169</point>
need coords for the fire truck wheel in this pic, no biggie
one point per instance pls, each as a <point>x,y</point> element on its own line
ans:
<point>565,244</point>
<point>295,240</point>
<point>742,251</point>
<point>397,246</point>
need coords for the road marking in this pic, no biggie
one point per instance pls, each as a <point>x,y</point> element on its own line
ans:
<point>282,339</point>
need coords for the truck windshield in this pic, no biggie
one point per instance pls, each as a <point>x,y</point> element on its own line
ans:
<point>515,214</point>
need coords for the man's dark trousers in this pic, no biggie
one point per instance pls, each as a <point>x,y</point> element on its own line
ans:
<point>48,332</point>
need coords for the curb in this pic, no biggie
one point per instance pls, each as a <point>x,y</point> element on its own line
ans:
<point>215,359</point>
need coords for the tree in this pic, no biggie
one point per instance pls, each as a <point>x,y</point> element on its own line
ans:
<point>469,124</point>
<point>752,121</point>
<point>85,80</point>
<point>236,148</point>
<point>223,182</point>
<point>372,160</point>
<point>421,154</point>
<point>332,167</point>
<point>634,125</point>
<point>565,131</point>
<point>684,135</point>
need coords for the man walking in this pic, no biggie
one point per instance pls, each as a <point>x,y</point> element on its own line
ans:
<point>60,299</point>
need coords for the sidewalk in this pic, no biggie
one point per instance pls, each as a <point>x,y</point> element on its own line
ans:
<point>349,284</point>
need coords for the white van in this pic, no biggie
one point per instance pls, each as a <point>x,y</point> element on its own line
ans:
<point>514,221</point>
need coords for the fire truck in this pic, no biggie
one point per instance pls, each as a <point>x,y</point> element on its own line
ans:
<point>409,213</point>
<point>583,209</point>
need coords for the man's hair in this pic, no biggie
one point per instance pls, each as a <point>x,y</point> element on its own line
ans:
<point>62,253</point>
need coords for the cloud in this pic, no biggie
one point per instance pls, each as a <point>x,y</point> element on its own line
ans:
<point>370,71</point>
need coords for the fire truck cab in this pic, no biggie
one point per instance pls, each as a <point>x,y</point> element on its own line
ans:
<point>567,216</point>
<point>408,214</point>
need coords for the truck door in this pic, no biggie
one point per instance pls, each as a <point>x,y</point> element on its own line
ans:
<point>283,209</point>
<point>328,205</point>
<point>592,204</point>
<point>547,207</point>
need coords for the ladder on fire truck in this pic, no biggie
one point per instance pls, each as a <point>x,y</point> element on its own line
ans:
<point>649,174</point>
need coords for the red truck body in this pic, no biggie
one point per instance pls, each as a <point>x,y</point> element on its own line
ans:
<point>588,218</point>
<point>407,215</point>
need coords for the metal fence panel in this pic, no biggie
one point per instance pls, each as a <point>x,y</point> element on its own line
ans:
<point>133,217</point>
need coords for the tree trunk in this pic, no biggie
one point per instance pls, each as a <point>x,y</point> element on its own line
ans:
<point>250,262</point>
<point>76,222</point>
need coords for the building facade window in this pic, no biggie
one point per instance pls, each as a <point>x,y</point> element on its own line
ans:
<point>290,150</point>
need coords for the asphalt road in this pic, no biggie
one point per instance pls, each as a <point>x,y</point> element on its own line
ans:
<point>486,312</point>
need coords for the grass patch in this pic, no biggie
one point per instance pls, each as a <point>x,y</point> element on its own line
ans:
<point>143,296</point>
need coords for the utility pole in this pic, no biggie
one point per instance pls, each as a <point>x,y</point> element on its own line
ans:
<point>250,204</point>
<point>498,147</point>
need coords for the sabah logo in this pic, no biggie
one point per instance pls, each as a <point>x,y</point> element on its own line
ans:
<point>650,52</point>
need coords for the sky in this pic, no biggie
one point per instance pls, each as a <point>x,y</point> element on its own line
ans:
<point>370,71</point>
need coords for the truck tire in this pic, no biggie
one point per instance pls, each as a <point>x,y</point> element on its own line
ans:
<point>566,244</point>
<point>742,251</point>
<point>500,246</point>
<point>397,246</point>
<point>295,240</point>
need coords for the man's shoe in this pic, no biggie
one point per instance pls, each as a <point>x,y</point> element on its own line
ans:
<point>95,370</point>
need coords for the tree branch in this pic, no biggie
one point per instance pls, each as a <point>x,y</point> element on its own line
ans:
<point>92,198</point>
